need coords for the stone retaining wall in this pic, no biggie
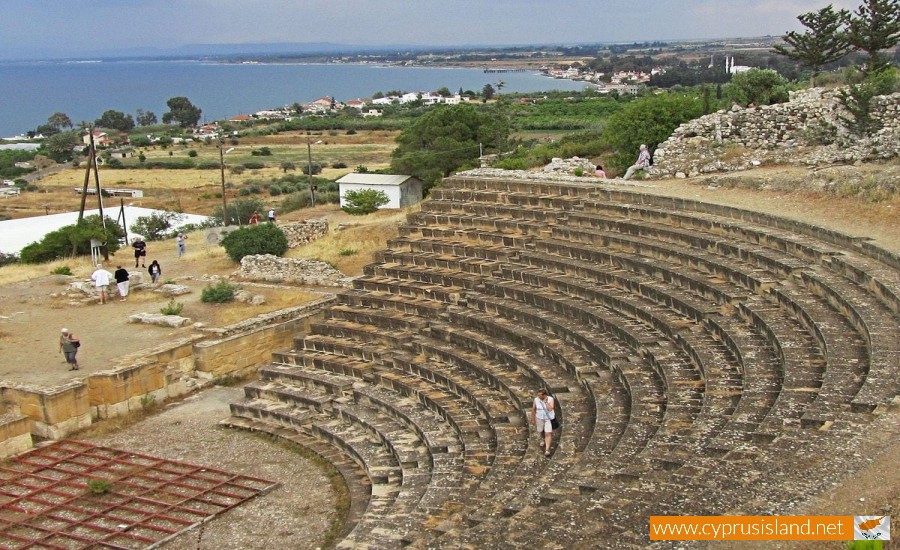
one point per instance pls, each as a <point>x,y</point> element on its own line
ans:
<point>147,377</point>
<point>305,231</point>
<point>269,268</point>
<point>807,130</point>
<point>240,352</point>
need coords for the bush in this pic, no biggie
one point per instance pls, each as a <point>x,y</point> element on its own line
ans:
<point>172,308</point>
<point>254,165</point>
<point>99,486</point>
<point>219,293</point>
<point>73,240</point>
<point>62,270</point>
<point>338,164</point>
<point>263,238</point>
<point>8,259</point>
<point>237,169</point>
<point>348,252</point>
<point>316,168</point>
<point>192,153</point>
<point>364,201</point>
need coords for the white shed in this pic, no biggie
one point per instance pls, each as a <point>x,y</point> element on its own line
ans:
<point>402,191</point>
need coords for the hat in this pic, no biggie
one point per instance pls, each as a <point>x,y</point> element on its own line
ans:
<point>65,330</point>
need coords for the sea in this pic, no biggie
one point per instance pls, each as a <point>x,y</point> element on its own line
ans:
<point>31,91</point>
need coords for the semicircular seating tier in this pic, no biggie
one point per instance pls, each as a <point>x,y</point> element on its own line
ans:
<point>705,359</point>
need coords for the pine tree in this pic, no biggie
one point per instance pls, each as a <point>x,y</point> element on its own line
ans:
<point>824,42</point>
<point>875,27</point>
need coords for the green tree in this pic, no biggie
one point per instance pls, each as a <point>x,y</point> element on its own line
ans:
<point>59,121</point>
<point>758,86</point>
<point>264,238</point>
<point>444,91</point>
<point>155,226</point>
<point>364,201</point>
<point>824,41</point>
<point>240,211</point>
<point>182,112</point>
<point>60,146</point>
<point>448,138</point>
<point>875,26</point>
<point>488,92</point>
<point>649,120</point>
<point>146,118</point>
<point>116,120</point>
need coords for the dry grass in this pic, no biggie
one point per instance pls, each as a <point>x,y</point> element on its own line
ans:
<point>221,315</point>
<point>366,235</point>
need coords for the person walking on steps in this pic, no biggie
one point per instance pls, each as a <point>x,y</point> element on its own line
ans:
<point>542,414</point>
<point>642,163</point>
<point>68,346</point>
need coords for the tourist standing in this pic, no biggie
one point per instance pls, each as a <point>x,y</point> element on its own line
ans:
<point>122,276</point>
<point>155,271</point>
<point>179,242</point>
<point>642,162</point>
<point>271,215</point>
<point>140,251</point>
<point>68,346</point>
<point>254,219</point>
<point>542,414</point>
<point>101,278</point>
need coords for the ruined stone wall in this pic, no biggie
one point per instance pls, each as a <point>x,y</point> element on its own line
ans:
<point>269,268</point>
<point>305,231</point>
<point>807,130</point>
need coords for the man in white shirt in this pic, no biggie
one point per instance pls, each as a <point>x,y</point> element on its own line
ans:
<point>542,415</point>
<point>101,278</point>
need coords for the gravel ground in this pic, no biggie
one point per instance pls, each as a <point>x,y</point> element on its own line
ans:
<point>298,514</point>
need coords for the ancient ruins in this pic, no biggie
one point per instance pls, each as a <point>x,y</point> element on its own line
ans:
<point>706,360</point>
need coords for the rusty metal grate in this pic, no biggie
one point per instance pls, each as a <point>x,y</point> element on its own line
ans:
<point>45,501</point>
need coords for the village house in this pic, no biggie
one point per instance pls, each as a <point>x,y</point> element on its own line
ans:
<point>402,191</point>
<point>101,139</point>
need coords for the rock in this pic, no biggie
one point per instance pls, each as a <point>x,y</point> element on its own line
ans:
<point>305,231</point>
<point>173,321</point>
<point>171,290</point>
<point>680,175</point>
<point>249,298</point>
<point>569,166</point>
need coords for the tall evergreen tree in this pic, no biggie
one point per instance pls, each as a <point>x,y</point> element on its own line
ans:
<point>824,41</point>
<point>875,26</point>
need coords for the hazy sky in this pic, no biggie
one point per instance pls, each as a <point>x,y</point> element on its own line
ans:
<point>74,27</point>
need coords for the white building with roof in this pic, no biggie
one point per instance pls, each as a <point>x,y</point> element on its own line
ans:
<point>402,191</point>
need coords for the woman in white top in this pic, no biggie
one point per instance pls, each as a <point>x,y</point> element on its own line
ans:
<point>542,414</point>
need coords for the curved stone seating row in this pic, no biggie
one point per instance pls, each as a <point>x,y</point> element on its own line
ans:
<point>705,359</point>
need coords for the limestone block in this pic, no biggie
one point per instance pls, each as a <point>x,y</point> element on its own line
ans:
<point>172,290</point>
<point>173,321</point>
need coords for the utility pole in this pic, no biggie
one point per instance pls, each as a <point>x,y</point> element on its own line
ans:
<point>222,152</point>
<point>312,188</point>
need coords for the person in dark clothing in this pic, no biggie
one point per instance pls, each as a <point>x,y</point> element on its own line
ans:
<point>121,275</point>
<point>155,271</point>
<point>140,251</point>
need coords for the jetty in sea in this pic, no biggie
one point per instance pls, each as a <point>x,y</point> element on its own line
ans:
<point>507,70</point>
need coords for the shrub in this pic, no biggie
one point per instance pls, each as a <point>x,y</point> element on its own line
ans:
<point>62,270</point>
<point>338,164</point>
<point>219,293</point>
<point>348,252</point>
<point>172,308</point>
<point>263,238</point>
<point>192,153</point>
<point>7,259</point>
<point>274,190</point>
<point>316,168</point>
<point>73,240</point>
<point>238,169</point>
<point>254,165</point>
<point>99,486</point>
<point>364,201</point>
